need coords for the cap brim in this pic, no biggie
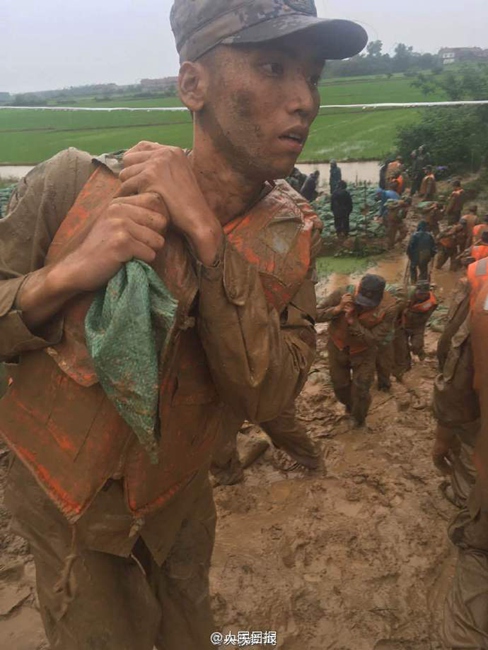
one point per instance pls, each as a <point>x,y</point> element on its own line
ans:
<point>362,301</point>
<point>336,39</point>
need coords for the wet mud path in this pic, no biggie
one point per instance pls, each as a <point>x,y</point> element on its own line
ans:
<point>352,557</point>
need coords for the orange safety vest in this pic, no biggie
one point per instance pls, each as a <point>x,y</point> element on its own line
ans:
<point>423,307</point>
<point>479,252</point>
<point>477,273</point>
<point>57,418</point>
<point>339,327</point>
<point>479,230</point>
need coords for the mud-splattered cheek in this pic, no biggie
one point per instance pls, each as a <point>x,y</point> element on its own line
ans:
<point>248,117</point>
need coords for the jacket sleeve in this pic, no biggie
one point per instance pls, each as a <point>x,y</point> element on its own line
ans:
<point>455,401</point>
<point>259,359</point>
<point>36,209</point>
<point>325,310</point>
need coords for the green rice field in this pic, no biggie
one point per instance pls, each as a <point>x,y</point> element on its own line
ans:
<point>27,136</point>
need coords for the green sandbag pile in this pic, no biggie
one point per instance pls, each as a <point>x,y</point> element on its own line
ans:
<point>366,234</point>
<point>5,195</point>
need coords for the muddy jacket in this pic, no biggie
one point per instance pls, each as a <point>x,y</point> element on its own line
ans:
<point>428,189</point>
<point>456,201</point>
<point>479,336</point>
<point>233,347</point>
<point>371,328</point>
<point>455,400</point>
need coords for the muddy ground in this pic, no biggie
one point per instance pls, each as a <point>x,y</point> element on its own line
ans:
<point>351,557</point>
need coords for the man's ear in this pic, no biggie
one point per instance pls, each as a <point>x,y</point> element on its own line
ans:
<point>193,83</point>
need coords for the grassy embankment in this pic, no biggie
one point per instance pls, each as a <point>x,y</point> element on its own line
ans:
<point>27,137</point>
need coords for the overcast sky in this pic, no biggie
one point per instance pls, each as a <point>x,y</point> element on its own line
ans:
<point>48,44</point>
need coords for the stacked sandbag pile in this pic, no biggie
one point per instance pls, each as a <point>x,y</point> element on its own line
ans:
<point>366,234</point>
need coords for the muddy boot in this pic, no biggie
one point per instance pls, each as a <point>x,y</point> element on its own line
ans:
<point>384,386</point>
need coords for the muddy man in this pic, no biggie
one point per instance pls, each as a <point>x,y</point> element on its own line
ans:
<point>361,320</point>
<point>122,541</point>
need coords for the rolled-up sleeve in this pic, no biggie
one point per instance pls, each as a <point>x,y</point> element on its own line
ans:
<point>37,207</point>
<point>259,359</point>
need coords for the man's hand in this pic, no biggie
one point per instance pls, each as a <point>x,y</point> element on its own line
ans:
<point>446,446</point>
<point>345,305</point>
<point>132,227</point>
<point>166,171</point>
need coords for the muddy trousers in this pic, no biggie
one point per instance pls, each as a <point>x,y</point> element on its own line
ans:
<point>465,624</point>
<point>352,376</point>
<point>444,255</point>
<point>394,229</point>
<point>286,433</point>
<point>420,271</point>
<point>385,366</point>
<point>407,342</point>
<point>91,600</point>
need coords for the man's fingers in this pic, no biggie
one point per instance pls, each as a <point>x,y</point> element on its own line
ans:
<point>145,201</point>
<point>141,216</point>
<point>130,186</point>
<point>144,235</point>
<point>129,172</point>
<point>137,157</point>
<point>144,145</point>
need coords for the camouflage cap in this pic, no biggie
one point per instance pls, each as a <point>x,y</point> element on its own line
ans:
<point>200,25</point>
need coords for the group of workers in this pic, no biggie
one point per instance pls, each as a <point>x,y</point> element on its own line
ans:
<point>374,328</point>
<point>119,513</point>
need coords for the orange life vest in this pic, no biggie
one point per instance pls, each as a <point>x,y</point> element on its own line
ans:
<point>339,329</point>
<point>477,274</point>
<point>58,420</point>
<point>425,306</point>
<point>479,230</point>
<point>479,252</point>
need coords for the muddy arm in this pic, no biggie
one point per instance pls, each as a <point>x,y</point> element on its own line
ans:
<point>326,309</point>
<point>36,209</point>
<point>259,359</point>
<point>380,334</point>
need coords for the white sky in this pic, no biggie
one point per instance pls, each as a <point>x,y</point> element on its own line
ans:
<point>47,44</point>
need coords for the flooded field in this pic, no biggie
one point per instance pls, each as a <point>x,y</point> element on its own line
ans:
<point>352,172</point>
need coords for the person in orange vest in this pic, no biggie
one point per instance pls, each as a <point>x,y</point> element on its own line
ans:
<point>450,242</point>
<point>476,252</point>
<point>361,319</point>
<point>479,229</point>
<point>120,519</point>
<point>394,169</point>
<point>410,337</point>
<point>461,410</point>
<point>471,218</point>
<point>396,228</point>
<point>455,204</point>
<point>428,188</point>
<point>397,183</point>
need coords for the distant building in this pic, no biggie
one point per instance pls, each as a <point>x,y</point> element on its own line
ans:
<point>450,55</point>
<point>155,85</point>
<point>4,97</point>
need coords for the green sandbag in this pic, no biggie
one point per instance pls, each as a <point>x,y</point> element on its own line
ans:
<point>127,328</point>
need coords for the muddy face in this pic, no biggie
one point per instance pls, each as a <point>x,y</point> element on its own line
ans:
<point>261,103</point>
